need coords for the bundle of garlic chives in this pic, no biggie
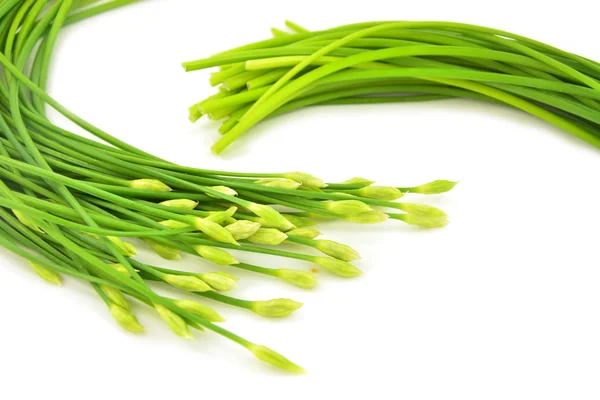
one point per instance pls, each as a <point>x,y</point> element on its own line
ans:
<point>396,62</point>
<point>66,201</point>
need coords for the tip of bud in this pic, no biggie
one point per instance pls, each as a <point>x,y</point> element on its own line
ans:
<point>281,183</point>
<point>186,282</point>
<point>125,248</point>
<point>337,250</point>
<point>347,207</point>
<point>435,187</point>
<point>222,216</point>
<point>47,274</point>
<point>275,308</point>
<point>119,268</point>
<point>358,181</point>
<point>116,297</point>
<point>199,309</point>
<point>215,255</point>
<point>172,224</point>
<point>180,203</point>
<point>272,357</point>
<point>126,319</point>
<point>422,210</point>
<point>242,229</point>
<point>149,184</point>
<point>305,179</point>
<point>303,279</point>
<point>338,267</point>
<point>222,189</point>
<point>271,216</point>
<point>369,217</point>
<point>174,321</point>
<point>26,221</point>
<point>221,281</point>
<point>268,236</point>
<point>424,221</point>
<point>214,230</point>
<point>166,252</point>
<point>380,193</point>
<point>304,232</point>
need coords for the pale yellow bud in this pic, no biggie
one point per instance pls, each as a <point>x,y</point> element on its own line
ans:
<point>47,274</point>
<point>199,309</point>
<point>242,229</point>
<point>215,255</point>
<point>275,307</point>
<point>149,184</point>
<point>186,282</point>
<point>166,252</point>
<point>369,217</point>
<point>304,232</point>
<point>174,321</point>
<point>303,279</point>
<point>126,319</point>
<point>269,356</point>
<point>338,267</point>
<point>305,179</point>
<point>281,183</point>
<point>268,236</point>
<point>180,203</point>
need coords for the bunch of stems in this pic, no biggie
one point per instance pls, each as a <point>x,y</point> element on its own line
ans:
<point>399,61</point>
<point>67,202</point>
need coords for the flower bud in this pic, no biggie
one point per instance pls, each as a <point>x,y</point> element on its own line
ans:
<point>358,181</point>
<point>275,307</point>
<point>47,274</point>
<point>268,236</point>
<point>184,204</point>
<point>215,255</point>
<point>126,319</point>
<point>199,309</point>
<point>242,229</point>
<point>166,252</point>
<point>347,207</point>
<point>221,216</point>
<point>338,267</point>
<point>186,282</point>
<point>116,297</point>
<point>222,189</point>
<point>281,183</point>
<point>214,230</point>
<point>172,224</point>
<point>305,179</point>
<point>422,210</point>
<point>149,184</point>
<point>119,268</point>
<point>304,232</point>
<point>26,221</point>
<point>271,216</point>
<point>174,321</point>
<point>369,217</point>
<point>269,356</point>
<point>303,279</point>
<point>435,187</point>
<point>379,192</point>
<point>424,221</point>
<point>337,250</point>
<point>221,281</point>
<point>125,248</point>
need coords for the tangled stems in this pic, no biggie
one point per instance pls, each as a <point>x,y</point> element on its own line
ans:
<point>403,61</point>
<point>67,202</point>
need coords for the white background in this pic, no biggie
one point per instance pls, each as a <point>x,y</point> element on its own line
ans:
<point>502,303</point>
